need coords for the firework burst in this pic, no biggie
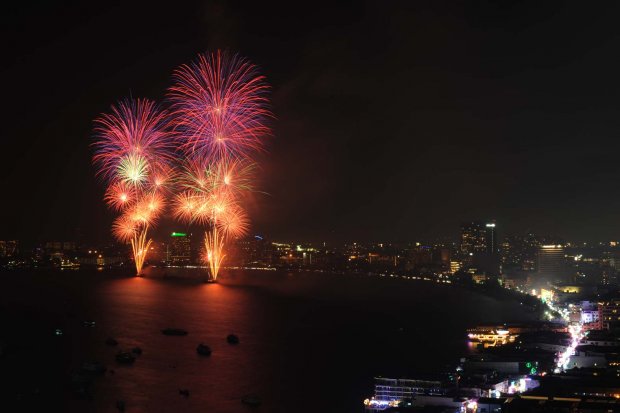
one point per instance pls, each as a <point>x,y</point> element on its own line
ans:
<point>135,133</point>
<point>133,150</point>
<point>219,104</point>
<point>119,195</point>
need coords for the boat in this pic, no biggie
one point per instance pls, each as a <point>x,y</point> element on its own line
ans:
<point>136,350</point>
<point>232,339</point>
<point>251,400</point>
<point>125,358</point>
<point>88,323</point>
<point>203,349</point>
<point>174,332</point>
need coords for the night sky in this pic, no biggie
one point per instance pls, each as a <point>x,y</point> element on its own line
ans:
<point>395,121</point>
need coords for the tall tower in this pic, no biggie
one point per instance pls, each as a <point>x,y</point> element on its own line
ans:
<point>491,238</point>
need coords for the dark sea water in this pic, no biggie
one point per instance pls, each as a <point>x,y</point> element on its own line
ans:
<point>309,342</point>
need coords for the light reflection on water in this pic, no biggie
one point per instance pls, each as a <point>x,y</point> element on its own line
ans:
<point>303,336</point>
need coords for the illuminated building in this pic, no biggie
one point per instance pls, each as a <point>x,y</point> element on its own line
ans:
<point>455,266</point>
<point>390,392</point>
<point>8,248</point>
<point>609,314</point>
<point>59,246</point>
<point>479,278</point>
<point>179,249</point>
<point>551,263</point>
<point>519,252</point>
<point>491,337</point>
<point>473,238</point>
<point>255,251</point>
<point>479,246</point>
<point>491,238</point>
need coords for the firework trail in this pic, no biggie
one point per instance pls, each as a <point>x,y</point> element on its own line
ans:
<point>220,112</point>
<point>133,154</point>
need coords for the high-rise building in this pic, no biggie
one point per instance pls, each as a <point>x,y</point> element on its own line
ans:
<point>491,238</point>
<point>551,263</point>
<point>179,249</point>
<point>479,246</point>
<point>473,238</point>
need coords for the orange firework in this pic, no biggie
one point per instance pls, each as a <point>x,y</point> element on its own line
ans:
<point>124,228</point>
<point>119,195</point>
<point>234,222</point>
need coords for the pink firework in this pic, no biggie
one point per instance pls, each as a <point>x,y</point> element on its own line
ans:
<point>220,107</point>
<point>162,178</point>
<point>132,140</point>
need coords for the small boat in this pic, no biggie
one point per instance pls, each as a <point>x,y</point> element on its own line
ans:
<point>174,332</point>
<point>111,342</point>
<point>88,323</point>
<point>184,392</point>
<point>136,350</point>
<point>125,358</point>
<point>232,339</point>
<point>203,349</point>
<point>251,400</point>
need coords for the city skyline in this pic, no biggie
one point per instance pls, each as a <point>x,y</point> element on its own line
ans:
<point>373,206</point>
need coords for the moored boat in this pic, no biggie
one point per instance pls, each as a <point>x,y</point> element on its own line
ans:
<point>203,349</point>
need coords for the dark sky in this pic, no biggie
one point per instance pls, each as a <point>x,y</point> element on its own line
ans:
<point>395,121</point>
